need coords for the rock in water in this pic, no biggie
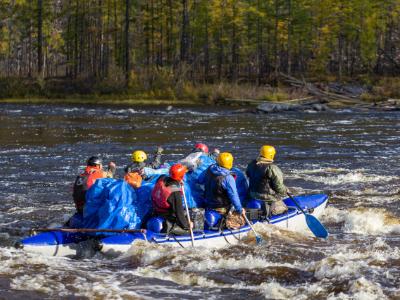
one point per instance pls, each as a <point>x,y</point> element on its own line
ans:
<point>268,107</point>
<point>275,107</point>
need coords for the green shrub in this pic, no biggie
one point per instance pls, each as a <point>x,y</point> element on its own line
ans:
<point>276,96</point>
<point>368,97</point>
<point>388,87</point>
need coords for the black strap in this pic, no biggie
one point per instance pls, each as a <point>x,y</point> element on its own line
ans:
<point>233,234</point>
<point>176,240</point>
<point>222,224</point>
<point>222,233</point>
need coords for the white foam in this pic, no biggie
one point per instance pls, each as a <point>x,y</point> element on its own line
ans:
<point>343,122</point>
<point>321,170</point>
<point>351,177</point>
<point>189,258</point>
<point>273,290</point>
<point>108,287</point>
<point>18,210</point>
<point>57,276</point>
<point>245,262</point>
<point>181,277</point>
<point>39,282</point>
<point>73,109</point>
<point>343,264</point>
<point>363,289</point>
<point>350,263</point>
<point>367,221</point>
<point>269,231</point>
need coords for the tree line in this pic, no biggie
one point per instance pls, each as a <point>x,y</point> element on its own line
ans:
<point>202,41</point>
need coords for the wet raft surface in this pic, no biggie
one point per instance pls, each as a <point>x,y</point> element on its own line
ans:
<point>354,157</point>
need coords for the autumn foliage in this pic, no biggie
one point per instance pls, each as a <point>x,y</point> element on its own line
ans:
<point>167,46</point>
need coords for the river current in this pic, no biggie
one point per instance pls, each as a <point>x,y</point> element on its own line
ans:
<point>354,157</point>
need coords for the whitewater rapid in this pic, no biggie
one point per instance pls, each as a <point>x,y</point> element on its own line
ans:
<point>354,157</point>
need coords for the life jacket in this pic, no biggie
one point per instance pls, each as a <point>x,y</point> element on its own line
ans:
<point>160,195</point>
<point>216,195</point>
<point>83,182</point>
<point>258,180</point>
<point>134,179</point>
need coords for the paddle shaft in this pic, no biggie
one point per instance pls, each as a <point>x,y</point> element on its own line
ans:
<point>188,216</point>
<point>296,203</point>
<point>84,230</point>
<point>252,228</point>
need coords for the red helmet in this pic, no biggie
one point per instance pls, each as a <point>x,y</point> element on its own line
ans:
<point>202,147</point>
<point>177,171</point>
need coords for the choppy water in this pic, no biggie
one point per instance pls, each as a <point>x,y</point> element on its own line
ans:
<point>354,157</point>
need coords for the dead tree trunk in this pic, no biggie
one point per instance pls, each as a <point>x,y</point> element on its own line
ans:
<point>40,38</point>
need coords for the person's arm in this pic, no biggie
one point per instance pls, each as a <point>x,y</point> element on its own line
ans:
<point>134,167</point>
<point>156,163</point>
<point>128,169</point>
<point>175,200</point>
<point>248,171</point>
<point>276,176</point>
<point>112,167</point>
<point>230,185</point>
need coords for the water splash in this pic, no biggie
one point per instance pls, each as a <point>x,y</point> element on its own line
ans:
<point>366,221</point>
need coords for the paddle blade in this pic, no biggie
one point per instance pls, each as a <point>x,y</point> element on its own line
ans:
<point>316,227</point>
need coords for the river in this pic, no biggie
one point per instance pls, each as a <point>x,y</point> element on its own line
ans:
<point>354,157</point>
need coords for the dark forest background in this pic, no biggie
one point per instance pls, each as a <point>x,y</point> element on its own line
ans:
<point>192,48</point>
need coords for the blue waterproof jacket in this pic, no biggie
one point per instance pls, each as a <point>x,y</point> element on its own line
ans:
<point>228,184</point>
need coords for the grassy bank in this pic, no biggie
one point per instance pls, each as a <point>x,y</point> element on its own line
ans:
<point>87,92</point>
<point>100,101</point>
<point>62,91</point>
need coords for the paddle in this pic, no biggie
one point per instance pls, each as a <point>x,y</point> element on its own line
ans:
<point>188,216</point>
<point>312,222</point>
<point>258,237</point>
<point>88,230</point>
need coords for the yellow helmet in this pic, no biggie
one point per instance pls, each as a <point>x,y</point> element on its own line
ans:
<point>268,152</point>
<point>225,160</point>
<point>139,156</point>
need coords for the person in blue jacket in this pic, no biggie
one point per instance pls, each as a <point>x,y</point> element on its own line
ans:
<point>220,187</point>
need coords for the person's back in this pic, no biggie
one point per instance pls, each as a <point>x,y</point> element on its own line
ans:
<point>83,182</point>
<point>266,180</point>
<point>221,193</point>
<point>167,200</point>
<point>215,193</point>
<point>163,189</point>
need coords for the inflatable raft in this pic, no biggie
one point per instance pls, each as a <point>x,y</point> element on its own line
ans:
<point>72,244</point>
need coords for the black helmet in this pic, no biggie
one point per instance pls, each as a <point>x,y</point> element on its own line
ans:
<point>94,161</point>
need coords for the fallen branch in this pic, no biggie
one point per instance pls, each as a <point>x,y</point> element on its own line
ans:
<point>317,92</point>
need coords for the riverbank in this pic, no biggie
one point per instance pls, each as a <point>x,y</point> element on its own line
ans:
<point>290,92</point>
<point>138,93</point>
<point>101,101</point>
